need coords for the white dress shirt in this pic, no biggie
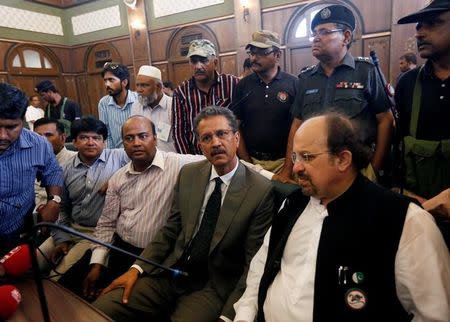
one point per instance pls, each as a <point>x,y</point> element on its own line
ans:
<point>161,116</point>
<point>422,271</point>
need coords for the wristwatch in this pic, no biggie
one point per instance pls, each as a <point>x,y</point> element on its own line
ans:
<point>54,198</point>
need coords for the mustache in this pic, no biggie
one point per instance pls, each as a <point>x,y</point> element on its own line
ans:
<point>216,151</point>
<point>255,64</point>
<point>422,42</point>
<point>5,142</point>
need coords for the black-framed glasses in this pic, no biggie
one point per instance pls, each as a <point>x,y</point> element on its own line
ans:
<point>111,65</point>
<point>260,52</point>
<point>324,32</point>
<point>305,157</point>
<point>220,134</point>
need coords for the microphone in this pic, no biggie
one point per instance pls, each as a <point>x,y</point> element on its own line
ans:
<point>9,301</point>
<point>16,262</point>
<point>243,98</point>
<point>175,272</point>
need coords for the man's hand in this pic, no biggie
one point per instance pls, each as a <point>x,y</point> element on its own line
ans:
<point>89,283</point>
<point>59,251</point>
<point>125,281</point>
<point>50,211</point>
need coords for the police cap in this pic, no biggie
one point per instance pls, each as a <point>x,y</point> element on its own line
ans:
<point>334,14</point>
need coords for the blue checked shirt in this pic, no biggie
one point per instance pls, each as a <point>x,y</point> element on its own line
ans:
<point>28,156</point>
<point>81,202</point>
<point>114,116</point>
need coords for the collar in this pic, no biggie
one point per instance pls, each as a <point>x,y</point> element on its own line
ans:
<point>163,103</point>
<point>24,139</point>
<point>158,161</point>
<point>276,77</point>
<point>349,196</point>
<point>130,99</point>
<point>347,61</point>
<point>62,151</point>
<point>226,178</point>
<point>77,160</point>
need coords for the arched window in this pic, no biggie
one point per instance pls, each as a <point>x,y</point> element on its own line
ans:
<point>298,34</point>
<point>30,60</point>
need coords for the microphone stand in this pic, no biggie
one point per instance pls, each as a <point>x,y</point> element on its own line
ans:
<point>70,231</point>
<point>37,278</point>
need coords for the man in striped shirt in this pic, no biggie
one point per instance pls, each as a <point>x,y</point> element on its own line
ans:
<point>23,155</point>
<point>115,108</point>
<point>137,203</point>
<point>205,88</point>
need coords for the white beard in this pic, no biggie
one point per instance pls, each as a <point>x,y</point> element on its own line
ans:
<point>147,100</point>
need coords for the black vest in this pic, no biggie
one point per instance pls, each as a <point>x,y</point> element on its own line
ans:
<point>361,234</point>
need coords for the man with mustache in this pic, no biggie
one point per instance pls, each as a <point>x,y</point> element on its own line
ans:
<point>263,101</point>
<point>345,84</point>
<point>220,212</point>
<point>153,103</point>
<point>115,108</point>
<point>85,175</point>
<point>205,88</point>
<point>23,156</point>
<point>423,100</point>
<point>344,248</point>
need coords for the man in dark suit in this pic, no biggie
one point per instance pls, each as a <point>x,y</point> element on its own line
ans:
<point>220,213</point>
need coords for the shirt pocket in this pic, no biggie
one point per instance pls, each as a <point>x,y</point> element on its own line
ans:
<point>351,102</point>
<point>311,104</point>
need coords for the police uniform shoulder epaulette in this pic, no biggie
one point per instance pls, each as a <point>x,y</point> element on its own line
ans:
<point>364,59</point>
<point>306,69</point>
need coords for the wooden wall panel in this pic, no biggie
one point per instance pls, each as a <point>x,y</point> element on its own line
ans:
<point>224,31</point>
<point>228,64</point>
<point>376,14</point>
<point>71,87</point>
<point>277,20</point>
<point>381,45</point>
<point>4,47</point>
<point>83,98</point>
<point>164,68</point>
<point>299,58</point>
<point>124,48</point>
<point>158,44</point>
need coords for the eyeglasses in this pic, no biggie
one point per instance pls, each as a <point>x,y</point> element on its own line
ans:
<point>111,65</point>
<point>323,32</point>
<point>86,138</point>
<point>220,134</point>
<point>305,157</point>
<point>259,53</point>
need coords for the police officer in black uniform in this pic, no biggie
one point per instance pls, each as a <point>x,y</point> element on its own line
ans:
<point>345,84</point>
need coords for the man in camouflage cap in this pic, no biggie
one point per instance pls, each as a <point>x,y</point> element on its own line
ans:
<point>205,87</point>
<point>263,101</point>
<point>349,85</point>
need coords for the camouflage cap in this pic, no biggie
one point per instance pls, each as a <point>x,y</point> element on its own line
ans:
<point>264,39</point>
<point>201,47</point>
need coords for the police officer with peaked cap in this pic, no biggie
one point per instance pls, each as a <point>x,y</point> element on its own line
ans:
<point>344,84</point>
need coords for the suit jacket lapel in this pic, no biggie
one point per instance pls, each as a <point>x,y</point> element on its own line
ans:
<point>196,196</point>
<point>235,196</point>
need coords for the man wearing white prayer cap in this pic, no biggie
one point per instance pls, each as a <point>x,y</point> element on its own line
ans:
<point>155,105</point>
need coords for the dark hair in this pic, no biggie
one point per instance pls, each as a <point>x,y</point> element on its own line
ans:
<point>46,120</point>
<point>342,135</point>
<point>247,63</point>
<point>13,102</point>
<point>409,58</point>
<point>118,70</point>
<point>45,86</point>
<point>146,118</point>
<point>88,124</point>
<point>168,84</point>
<point>344,28</point>
<point>216,111</point>
<point>33,96</point>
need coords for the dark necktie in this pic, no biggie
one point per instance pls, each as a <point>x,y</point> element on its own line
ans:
<point>199,249</point>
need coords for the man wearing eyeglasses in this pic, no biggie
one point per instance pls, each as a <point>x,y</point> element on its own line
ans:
<point>205,88</point>
<point>344,248</point>
<point>83,196</point>
<point>220,213</point>
<point>262,106</point>
<point>115,108</point>
<point>345,84</point>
